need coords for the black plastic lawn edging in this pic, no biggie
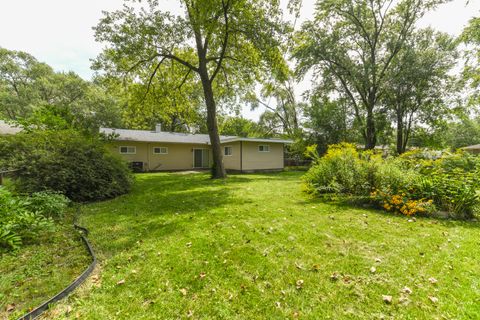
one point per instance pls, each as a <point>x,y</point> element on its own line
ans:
<point>76,283</point>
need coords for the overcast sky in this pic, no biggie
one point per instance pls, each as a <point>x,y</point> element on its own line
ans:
<point>59,32</point>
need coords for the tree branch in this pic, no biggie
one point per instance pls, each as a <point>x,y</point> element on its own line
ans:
<point>225,40</point>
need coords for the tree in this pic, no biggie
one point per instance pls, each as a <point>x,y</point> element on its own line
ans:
<point>328,122</point>
<point>32,93</point>
<point>419,83</point>
<point>221,42</point>
<point>352,45</point>
<point>176,108</point>
<point>239,126</point>
<point>283,116</point>
<point>471,73</point>
<point>20,79</point>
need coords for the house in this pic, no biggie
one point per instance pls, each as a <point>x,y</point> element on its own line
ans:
<point>6,128</point>
<point>169,151</point>
<point>475,149</point>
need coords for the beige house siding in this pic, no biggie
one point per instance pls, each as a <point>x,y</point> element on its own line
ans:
<point>180,155</point>
<point>255,160</point>
<point>232,162</point>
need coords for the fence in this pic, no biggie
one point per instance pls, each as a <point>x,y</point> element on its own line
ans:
<point>297,163</point>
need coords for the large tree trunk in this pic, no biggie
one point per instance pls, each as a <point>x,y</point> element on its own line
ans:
<point>400,138</point>
<point>218,171</point>
<point>370,131</point>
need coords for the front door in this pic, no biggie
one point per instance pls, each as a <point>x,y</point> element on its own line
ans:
<point>200,158</point>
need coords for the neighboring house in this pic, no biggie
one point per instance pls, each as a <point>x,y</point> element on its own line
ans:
<point>6,128</point>
<point>169,151</point>
<point>472,149</point>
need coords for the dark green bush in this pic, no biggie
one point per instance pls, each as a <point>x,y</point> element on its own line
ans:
<point>66,162</point>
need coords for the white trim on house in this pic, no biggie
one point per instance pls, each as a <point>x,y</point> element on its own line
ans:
<point>266,140</point>
<point>227,154</point>
<point>263,148</point>
<point>133,150</point>
<point>160,151</point>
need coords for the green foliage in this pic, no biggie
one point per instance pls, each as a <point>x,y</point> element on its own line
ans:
<point>420,85</point>
<point>239,126</point>
<point>67,162</point>
<point>339,171</point>
<point>352,46</point>
<point>25,218</point>
<point>417,182</point>
<point>33,94</point>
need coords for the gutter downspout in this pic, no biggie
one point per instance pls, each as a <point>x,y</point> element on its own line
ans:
<point>241,156</point>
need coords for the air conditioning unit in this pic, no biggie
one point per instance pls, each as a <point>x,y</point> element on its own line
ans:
<point>136,166</point>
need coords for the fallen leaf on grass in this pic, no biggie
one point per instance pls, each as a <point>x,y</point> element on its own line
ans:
<point>407,290</point>
<point>298,266</point>
<point>387,299</point>
<point>316,267</point>
<point>121,282</point>
<point>189,313</point>
<point>334,276</point>
<point>403,300</point>
<point>188,244</point>
<point>432,280</point>
<point>373,270</point>
<point>183,291</point>
<point>299,284</point>
<point>202,275</point>
<point>10,307</point>
<point>434,300</point>
<point>278,304</point>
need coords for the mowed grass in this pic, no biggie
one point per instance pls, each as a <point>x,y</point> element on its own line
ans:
<point>37,272</point>
<point>256,247</point>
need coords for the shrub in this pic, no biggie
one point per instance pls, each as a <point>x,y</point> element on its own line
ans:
<point>25,218</point>
<point>47,204</point>
<point>339,171</point>
<point>414,183</point>
<point>66,162</point>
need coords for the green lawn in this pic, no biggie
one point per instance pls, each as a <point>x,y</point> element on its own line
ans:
<point>256,247</point>
<point>39,271</point>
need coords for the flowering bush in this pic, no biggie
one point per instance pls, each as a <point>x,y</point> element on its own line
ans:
<point>414,183</point>
<point>402,203</point>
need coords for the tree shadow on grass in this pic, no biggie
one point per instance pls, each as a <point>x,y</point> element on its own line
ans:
<point>163,204</point>
<point>343,205</point>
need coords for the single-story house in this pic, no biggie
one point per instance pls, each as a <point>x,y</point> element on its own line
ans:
<point>6,128</point>
<point>475,149</point>
<point>170,151</point>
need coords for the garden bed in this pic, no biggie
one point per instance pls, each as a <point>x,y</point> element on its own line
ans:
<point>36,272</point>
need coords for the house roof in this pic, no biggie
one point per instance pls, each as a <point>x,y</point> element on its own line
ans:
<point>174,137</point>
<point>6,128</point>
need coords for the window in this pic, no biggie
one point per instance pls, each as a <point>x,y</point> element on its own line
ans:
<point>228,151</point>
<point>160,150</point>
<point>263,148</point>
<point>128,150</point>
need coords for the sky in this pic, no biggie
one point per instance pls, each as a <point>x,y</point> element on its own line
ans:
<point>59,32</point>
